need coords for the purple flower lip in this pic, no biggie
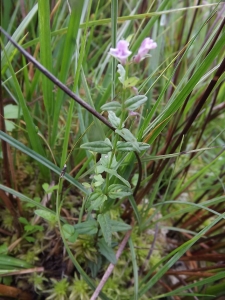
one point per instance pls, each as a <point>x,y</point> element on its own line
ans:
<point>133,113</point>
<point>121,52</point>
<point>134,90</point>
<point>146,45</point>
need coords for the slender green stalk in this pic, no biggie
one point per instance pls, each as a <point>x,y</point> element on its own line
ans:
<point>114,14</point>
<point>46,55</point>
<point>68,51</point>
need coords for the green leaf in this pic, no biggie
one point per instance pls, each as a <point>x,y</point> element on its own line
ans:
<point>113,172</point>
<point>95,266</point>
<point>96,204</point>
<point>12,111</point>
<point>128,146</point>
<point>99,180</point>
<point>107,251</point>
<point>128,136</point>
<point>100,169</point>
<point>34,228</point>
<point>48,189</point>
<point>107,161</point>
<point>134,179</point>
<point>52,188</point>
<point>30,239</point>
<point>89,227</point>
<point>117,226</point>
<point>23,220</point>
<point>118,191</point>
<point>143,146</point>
<point>104,222</point>
<point>86,185</point>
<point>122,73</point>
<point>69,232</point>
<point>135,102</point>
<point>8,261</point>
<point>45,186</point>
<point>124,146</point>
<point>9,125</point>
<point>113,105</point>
<point>47,215</point>
<point>108,142</point>
<point>97,146</point>
<point>95,200</point>
<point>132,81</point>
<point>114,120</point>
<point>28,228</point>
<point>98,183</point>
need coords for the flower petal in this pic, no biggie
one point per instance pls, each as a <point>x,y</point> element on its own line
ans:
<point>146,45</point>
<point>121,52</point>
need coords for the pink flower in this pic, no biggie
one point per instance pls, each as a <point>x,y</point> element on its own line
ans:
<point>146,45</point>
<point>121,51</point>
<point>133,113</point>
<point>134,90</point>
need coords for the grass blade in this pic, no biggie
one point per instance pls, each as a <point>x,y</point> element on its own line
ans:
<point>45,54</point>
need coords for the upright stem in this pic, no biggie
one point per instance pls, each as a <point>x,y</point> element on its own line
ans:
<point>114,15</point>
